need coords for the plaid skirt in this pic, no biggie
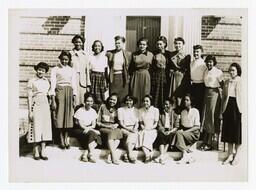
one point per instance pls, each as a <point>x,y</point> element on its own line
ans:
<point>158,88</point>
<point>98,87</point>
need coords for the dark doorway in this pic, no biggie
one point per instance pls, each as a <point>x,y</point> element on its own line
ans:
<point>142,26</point>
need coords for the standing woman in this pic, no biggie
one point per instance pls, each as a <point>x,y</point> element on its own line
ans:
<point>99,72</point>
<point>232,113</point>
<point>80,63</point>
<point>140,77</point>
<point>158,72</point>
<point>107,123</point>
<point>119,61</point>
<point>179,71</point>
<point>148,120</point>
<point>128,117</point>
<point>213,80</point>
<point>40,129</point>
<point>63,91</point>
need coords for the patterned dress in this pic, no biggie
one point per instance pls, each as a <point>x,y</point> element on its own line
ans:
<point>40,128</point>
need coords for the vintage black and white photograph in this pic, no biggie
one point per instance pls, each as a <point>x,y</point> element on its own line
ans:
<point>128,95</point>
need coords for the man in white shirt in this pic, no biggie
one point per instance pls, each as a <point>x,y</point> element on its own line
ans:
<point>197,69</point>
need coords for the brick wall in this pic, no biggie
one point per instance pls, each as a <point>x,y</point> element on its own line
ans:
<point>221,37</point>
<point>42,39</point>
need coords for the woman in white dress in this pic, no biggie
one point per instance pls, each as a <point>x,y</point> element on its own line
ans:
<point>148,120</point>
<point>40,129</point>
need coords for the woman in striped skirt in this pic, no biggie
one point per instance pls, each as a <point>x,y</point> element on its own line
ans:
<point>99,72</point>
<point>63,92</point>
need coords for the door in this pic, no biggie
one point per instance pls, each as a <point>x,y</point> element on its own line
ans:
<point>142,26</point>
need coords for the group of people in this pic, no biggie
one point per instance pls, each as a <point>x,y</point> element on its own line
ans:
<point>138,98</point>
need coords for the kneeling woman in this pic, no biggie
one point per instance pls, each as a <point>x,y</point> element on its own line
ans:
<point>40,129</point>
<point>85,122</point>
<point>189,130</point>
<point>108,125</point>
<point>128,117</point>
<point>148,119</point>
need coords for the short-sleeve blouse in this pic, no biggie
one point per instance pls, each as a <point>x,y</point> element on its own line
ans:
<point>148,117</point>
<point>99,62</point>
<point>38,86</point>
<point>190,118</point>
<point>86,116</point>
<point>213,77</point>
<point>130,116</point>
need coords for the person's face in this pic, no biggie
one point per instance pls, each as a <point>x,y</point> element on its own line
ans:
<point>167,106</point>
<point>40,72</point>
<point>88,102</point>
<point>78,44</point>
<point>210,64</point>
<point>233,72</point>
<point>187,101</point>
<point>178,45</point>
<point>129,103</point>
<point>97,48</point>
<point>64,60</point>
<point>119,44</point>
<point>160,45</point>
<point>197,53</point>
<point>112,101</point>
<point>147,102</point>
<point>143,46</point>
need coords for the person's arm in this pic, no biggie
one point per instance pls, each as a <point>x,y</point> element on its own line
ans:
<point>156,118</point>
<point>160,125</point>
<point>53,87</point>
<point>74,86</point>
<point>30,93</point>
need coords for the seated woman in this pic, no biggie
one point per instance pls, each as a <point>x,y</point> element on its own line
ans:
<point>128,117</point>
<point>148,119</point>
<point>167,126</point>
<point>189,130</point>
<point>107,123</point>
<point>88,136</point>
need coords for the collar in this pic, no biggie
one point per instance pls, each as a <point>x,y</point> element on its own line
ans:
<point>75,52</point>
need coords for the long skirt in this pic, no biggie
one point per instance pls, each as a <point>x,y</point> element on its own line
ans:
<point>118,86</point>
<point>159,88</point>
<point>140,85</point>
<point>211,111</point>
<point>86,139</point>
<point>183,139</point>
<point>147,138</point>
<point>197,92</point>
<point>40,129</point>
<point>98,87</point>
<point>175,84</point>
<point>64,111</point>
<point>231,130</point>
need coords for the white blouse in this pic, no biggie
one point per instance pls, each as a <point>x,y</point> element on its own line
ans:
<point>213,77</point>
<point>118,61</point>
<point>63,76</point>
<point>38,86</point>
<point>197,69</point>
<point>130,116</point>
<point>85,117</point>
<point>190,118</point>
<point>149,117</point>
<point>99,62</point>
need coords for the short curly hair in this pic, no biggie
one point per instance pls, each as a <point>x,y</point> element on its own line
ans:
<point>78,37</point>
<point>102,47</point>
<point>209,58</point>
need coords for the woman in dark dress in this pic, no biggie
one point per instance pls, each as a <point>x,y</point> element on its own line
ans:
<point>158,72</point>
<point>140,77</point>
<point>179,77</point>
<point>231,111</point>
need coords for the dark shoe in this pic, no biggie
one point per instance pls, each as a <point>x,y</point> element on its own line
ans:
<point>36,157</point>
<point>125,158</point>
<point>67,146</point>
<point>62,146</point>
<point>44,157</point>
